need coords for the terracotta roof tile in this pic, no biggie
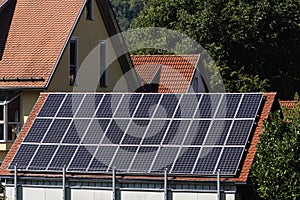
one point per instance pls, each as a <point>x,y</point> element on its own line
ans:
<point>38,33</point>
<point>176,71</point>
<point>289,104</point>
<point>241,177</point>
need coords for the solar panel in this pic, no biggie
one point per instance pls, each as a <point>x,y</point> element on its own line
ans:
<point>42,157</point>
<point>95,131</point>
<point>144,158</point>
<point>70,105</point>
<point>51,105</point>
<point>82,158</point>
<point>147,105</point>
<point>167,106</point>
<point>23,156</point>
<point>188,105</point>
<point>249,105</point>
<point>78,127</point>
<point>62,157</point>
<point>128,105</point>
<point>140,133</point>
<point>208,106</point>
<point>135,132</point>
<point>89,105</point>
<point>101,160</point>
<point>57,130</point>
<point>38,130</point>
<point>228,105</point>
<point>185,162</point>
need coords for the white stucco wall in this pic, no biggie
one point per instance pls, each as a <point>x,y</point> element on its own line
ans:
<point>34,193</point>
<point>133,195</point>
<point>194,196</point>
<point>81,194</point>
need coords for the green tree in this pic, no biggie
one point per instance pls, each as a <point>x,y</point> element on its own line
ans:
<point>261,38</point>
<point>126,11</point>
<point>276,171</point>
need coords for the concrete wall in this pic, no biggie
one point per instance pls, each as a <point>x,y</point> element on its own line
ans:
<point>88,33</point>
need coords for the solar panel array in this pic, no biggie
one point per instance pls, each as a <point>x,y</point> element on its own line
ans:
<point>188,134</point>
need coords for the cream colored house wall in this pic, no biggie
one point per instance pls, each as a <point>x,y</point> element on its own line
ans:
<point>29,99</point>
<point>89,33</point>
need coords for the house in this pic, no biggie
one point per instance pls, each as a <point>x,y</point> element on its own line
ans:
<point>170,73</point>
<point>57,46</point>
<point>142,146</point>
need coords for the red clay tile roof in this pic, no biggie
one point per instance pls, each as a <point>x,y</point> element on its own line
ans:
<point>38,33</point>
<point>241,178</point>
<point>289,104</point>
<point>176,71</point>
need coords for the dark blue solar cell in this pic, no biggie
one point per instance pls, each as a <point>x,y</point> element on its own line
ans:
<point>128,105</point>
<point>76,131</point>
<point>240,132</point>
<point>38,130</point>
<point>218,132</point>
<point>89,105</point>
<point>228,105</point>
<point>57,130</point>
<point>230,160</point>
<point>135,132</point>
<point>167,106</point>
<point>208,106</point>
<point>51,105</point>
<point>186,160</point>
<point>70,105</point>
<point>207,160</point>
<point>95,131</point>
<point>147,105</point>
<point>156,132</point>
<point>42,157</point>
<point>23,156</point>
<point>62,157</point>
<point>188,105</point>
<point>197,132</point>
<point>115,131</point>
<point>165,159</point>
<point>123,158</point>
<point>176,132</point>
<point>249,106</point>
<point>108,105</point>
<point>143,159</point>
<point>82,158</point>
<point>102,158</point>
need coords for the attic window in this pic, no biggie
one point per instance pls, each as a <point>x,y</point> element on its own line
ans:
<point>89,10</point>
<point>73,60</point>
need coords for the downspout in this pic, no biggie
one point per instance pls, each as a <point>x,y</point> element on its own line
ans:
<point>114,184</point>
<point>64,183</point>
<point>15,183</point>
<point>166,185</point>
<point>218,185</point>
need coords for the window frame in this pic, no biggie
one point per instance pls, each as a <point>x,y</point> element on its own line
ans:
<point>6,123</point>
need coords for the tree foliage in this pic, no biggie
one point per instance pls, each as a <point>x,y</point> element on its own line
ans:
<point>261,38</point>
<point>126,11</point>
<point>276,171</point>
